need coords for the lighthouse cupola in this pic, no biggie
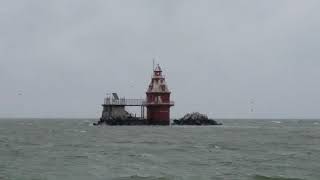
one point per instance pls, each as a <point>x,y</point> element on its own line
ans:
<point>158,99</point>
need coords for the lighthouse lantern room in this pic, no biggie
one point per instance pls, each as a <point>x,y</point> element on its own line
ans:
<point>158,99</point>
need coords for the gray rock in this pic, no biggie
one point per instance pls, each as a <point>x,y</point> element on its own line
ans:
<point>195,119</point>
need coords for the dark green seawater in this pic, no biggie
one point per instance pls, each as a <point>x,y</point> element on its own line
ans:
<point>38,149</point>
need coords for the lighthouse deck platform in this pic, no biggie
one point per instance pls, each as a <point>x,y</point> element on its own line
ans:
<point>124,102</point>
<point>133,102</point>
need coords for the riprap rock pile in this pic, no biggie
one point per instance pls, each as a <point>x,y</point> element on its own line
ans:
<point>195,119</point>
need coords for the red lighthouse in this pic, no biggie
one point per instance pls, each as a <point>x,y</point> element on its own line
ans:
<point>158,99</point>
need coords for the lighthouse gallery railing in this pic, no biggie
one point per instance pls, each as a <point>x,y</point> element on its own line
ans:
<point>124,102</point>
<point>133,102</point>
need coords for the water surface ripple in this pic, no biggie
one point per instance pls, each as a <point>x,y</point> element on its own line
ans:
<point>38,149</point>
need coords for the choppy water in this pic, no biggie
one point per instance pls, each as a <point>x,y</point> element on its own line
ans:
<point>72,149</point>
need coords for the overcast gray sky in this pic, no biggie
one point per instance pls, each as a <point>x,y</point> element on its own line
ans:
<point>58,58</point>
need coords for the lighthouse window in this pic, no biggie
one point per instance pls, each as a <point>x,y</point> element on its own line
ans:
<point>163,88</point>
